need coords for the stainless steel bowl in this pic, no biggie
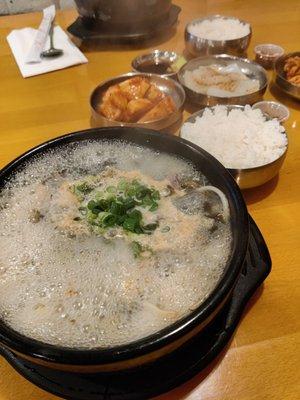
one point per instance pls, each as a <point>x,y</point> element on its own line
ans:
<point>267,54</point>
<point>279,76</point>
<point>248,178</point>
<point>156,57</point>
<point>273,109</point>
<point>250,68</point>
<point>165,84</point>
<point>198,46</point>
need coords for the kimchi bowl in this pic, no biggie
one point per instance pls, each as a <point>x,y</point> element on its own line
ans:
<point>166,108</point>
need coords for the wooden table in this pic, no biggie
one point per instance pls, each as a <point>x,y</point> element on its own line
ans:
<point>262,361</point>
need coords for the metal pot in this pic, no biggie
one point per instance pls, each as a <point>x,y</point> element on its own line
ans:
<point>174,336</point>
<point>123,12</point>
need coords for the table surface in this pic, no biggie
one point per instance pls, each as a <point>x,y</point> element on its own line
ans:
<point>262,360</point>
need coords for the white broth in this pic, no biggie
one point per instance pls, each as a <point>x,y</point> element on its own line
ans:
<point>104,243</point>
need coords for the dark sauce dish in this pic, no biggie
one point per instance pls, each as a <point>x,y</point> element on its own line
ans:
<point>160,67</point>
<point>158,62</point>
<point>157,345</point>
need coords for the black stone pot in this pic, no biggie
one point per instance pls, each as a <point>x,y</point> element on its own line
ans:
<point>176,335</point>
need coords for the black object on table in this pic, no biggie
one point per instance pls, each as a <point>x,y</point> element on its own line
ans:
<point>85,28</point>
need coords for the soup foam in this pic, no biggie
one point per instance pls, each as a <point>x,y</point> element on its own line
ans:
<point>85,291</point>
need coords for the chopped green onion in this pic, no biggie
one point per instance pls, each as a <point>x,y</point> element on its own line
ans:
<point>154,207</point>
<point>150,227</point>
<point>84,188</point>
<point>135,214</point>
<point>109,220</point>
<point>111,189</point>
<point>136,248</point>
<point>90,216</point>
<point>155,195</point>
<point>130,224</point>
<point>141,251</point>
<point>122,185</point>
<point>116,207</point>
<point>91,205</point>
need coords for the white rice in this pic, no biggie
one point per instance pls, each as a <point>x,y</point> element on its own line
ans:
<point>219,29</point>
<point>238,138</point>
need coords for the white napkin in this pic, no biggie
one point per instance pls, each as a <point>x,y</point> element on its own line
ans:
<point>20,41</point>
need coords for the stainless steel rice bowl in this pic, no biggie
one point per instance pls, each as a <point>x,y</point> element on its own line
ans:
<point>200,46</point>
<point>248,178</point>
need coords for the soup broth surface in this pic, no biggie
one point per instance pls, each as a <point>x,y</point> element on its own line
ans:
<point>103,243</point>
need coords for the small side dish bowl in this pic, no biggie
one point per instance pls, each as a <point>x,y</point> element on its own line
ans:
<point>273,110</point>
<point>249,68</point>
<point>166,85</point>
<point>199,46</point>
<point>157,62</point>
<point>280,78</point>
<point>248,178</point>
<point>267,54</point>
